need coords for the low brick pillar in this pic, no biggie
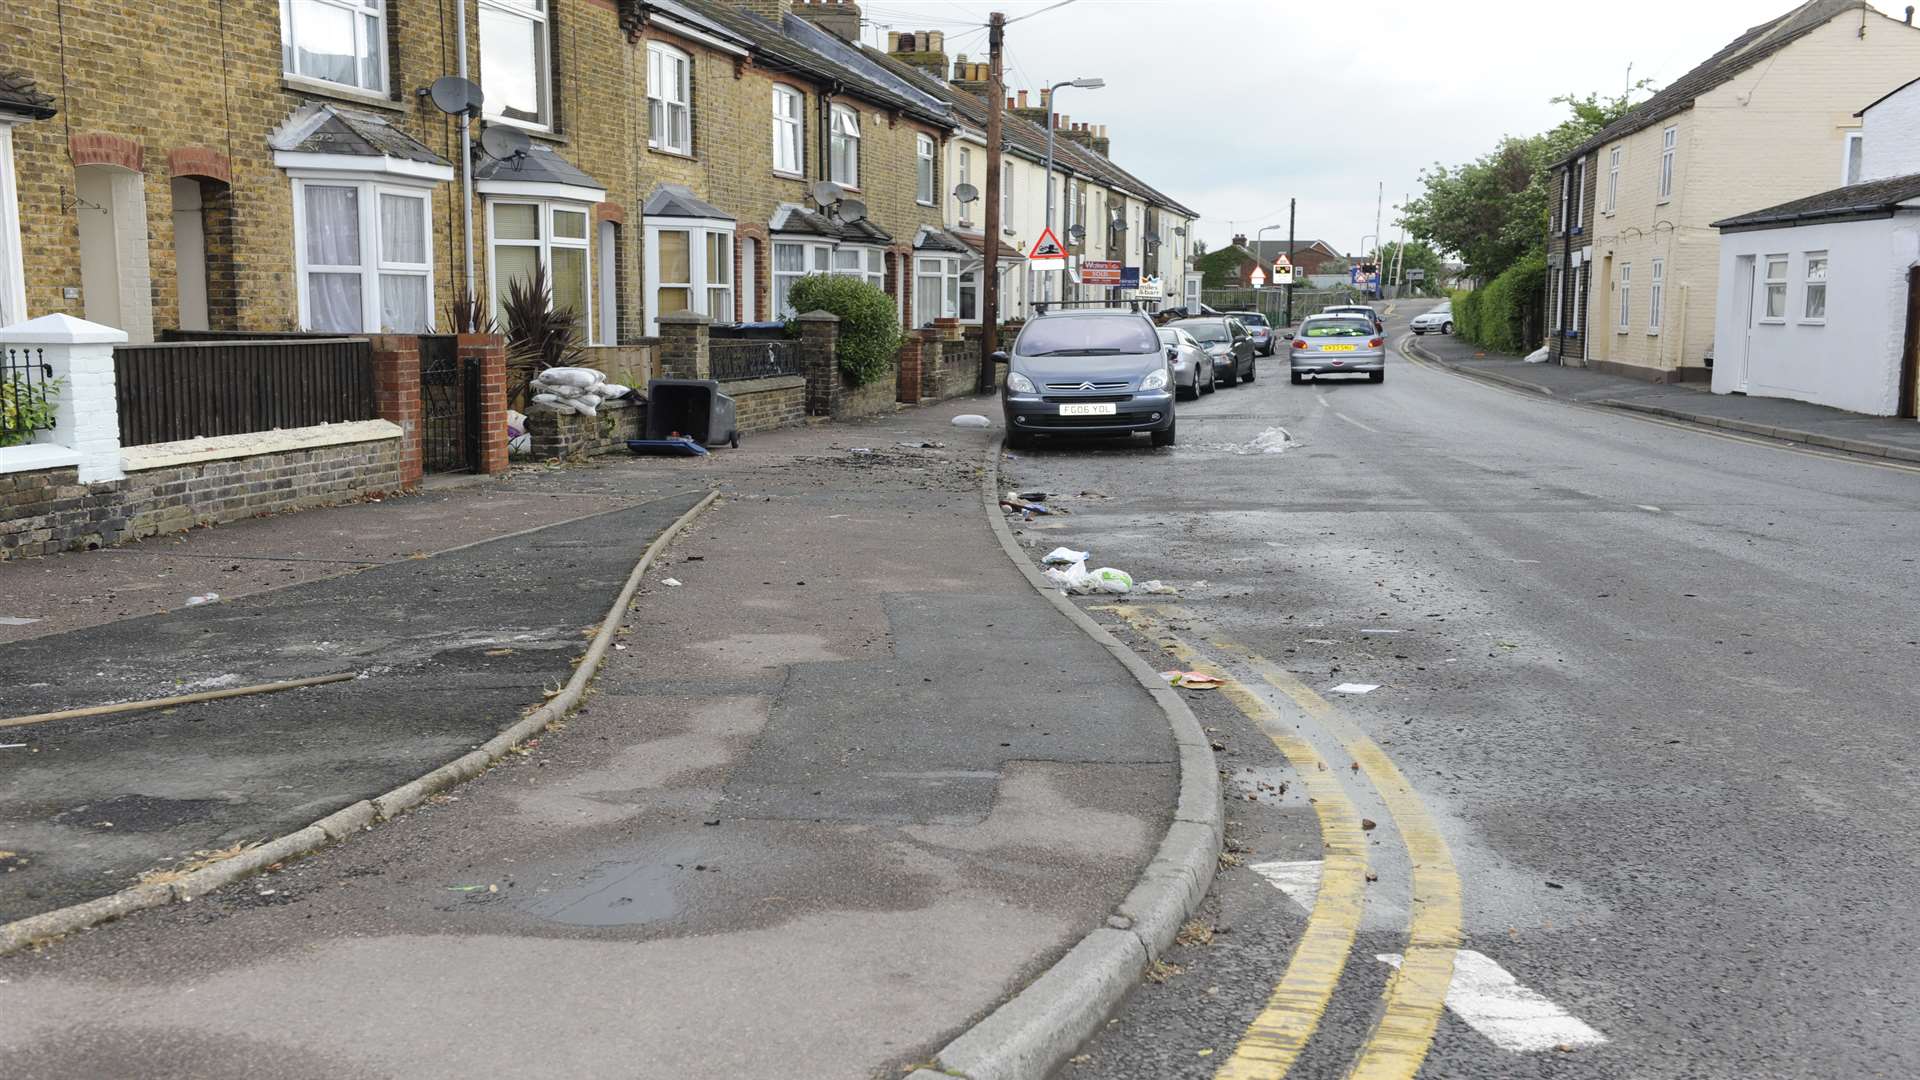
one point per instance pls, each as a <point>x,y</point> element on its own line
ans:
<point>820,359</point>
<point>948,329</point>
<point>396,388</point>
<point>491,351</point>
<point>909,378</point>
<point>684,350</point>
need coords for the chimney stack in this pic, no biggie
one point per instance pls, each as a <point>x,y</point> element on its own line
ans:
<point>771,10</point>
<point>1909,14</point>
<point>841,18</point>
<point>922,49</point>
<point>1239,239</point>
<point>971,77</point>
<point>1023,100</point>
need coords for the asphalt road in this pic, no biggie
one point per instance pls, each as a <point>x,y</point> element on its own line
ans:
<point>1651,691</point>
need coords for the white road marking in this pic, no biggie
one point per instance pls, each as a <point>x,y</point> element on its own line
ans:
<point>1322,399</point>
<point>1356,688</point>
<point>15,620</point>
<point>1648,509</point>
<point>1494,1003</point>
<point>1356,423</point>
<point>1510,1015</point>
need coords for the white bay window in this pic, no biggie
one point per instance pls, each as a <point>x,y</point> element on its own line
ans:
<point>936,288</point>
<point>527,235</point>
<point>793,260</point>
<point>689,267</point>
<point>336,41</point>
<point>364,256</point>
<point>514,67</point>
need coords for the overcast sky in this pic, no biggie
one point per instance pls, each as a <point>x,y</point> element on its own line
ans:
<point>1378,89</point>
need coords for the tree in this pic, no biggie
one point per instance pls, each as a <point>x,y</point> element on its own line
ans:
<point>1199,248</point>
<point>1419,256</point>
<point>1492,211</point>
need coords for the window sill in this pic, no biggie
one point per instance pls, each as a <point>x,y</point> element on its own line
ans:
<point>921,202</point>
<point>781,174</point>
<point>1813,322</point>
<point>538,131</point>
<point>1653,333</point>
<point>372,99</point>
<point>667,151</point>
<point>1771,322</point>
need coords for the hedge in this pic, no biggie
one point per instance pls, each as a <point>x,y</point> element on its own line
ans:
<point>1504,315</point>
<point>869,329</point>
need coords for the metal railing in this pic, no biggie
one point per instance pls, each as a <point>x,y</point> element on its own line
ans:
<point>27,390</point>
<point>170,391</point>
<point>753,358</point>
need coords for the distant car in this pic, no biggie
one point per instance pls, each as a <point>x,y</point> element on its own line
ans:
<point>1192,367</point>
<point>1172,314</point>
<point>1437,321</point>
<point>1099,371</point>
<point>1379,324</point>
<point>1338,344</point>
<point>1264,342</point>
<point>1227,342</point>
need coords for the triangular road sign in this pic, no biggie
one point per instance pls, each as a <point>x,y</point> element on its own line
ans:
<point>1048,247</point>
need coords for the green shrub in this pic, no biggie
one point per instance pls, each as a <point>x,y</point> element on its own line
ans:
<point>1504,315</point>
<point>869,329</point>
<point>25,409</point>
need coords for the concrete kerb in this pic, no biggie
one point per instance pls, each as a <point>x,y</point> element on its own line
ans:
<point>34,929</point>
<point>1474,373</point>
<point>1030,1035</point>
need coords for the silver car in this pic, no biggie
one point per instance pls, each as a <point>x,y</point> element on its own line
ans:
<point>1437,321</point>
<point>1338,345</point>
<point>1192,367</point>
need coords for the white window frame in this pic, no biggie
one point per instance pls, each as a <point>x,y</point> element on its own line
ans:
<point>607,329</point>
<point>789,131</point>
<point>536,13</point>
<point>701,283</point>
<point>1553,320</point>
<point>1808,284</point>
<point>1566,196</point>
<point>1006,196</point>
<point>1656,295</point>
<point>362,11</point>
<point>1626,299</point>
<point>1613,179</point>
<point>371,265</point>
<point>669,108</point>
<point>844,142</point>
<point>546,242</point>
<point>13,275</point>
<point>1852,169</point>
<point>1769,283</point>
<point>1669,143</point>
<point>816,258</point>
<point>1580,194</point>
<point>963,175</point>
<point>945,269</point>
<point>869,264</point>
<point>925,177</point>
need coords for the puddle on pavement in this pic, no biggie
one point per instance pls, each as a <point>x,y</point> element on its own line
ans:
<point>624,892</point>
<point>1261,783</point>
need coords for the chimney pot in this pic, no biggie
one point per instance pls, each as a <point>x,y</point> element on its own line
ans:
<point>1909,14</point>
<point>893,41</point>
<point>1009,102</point>
<point>1023,99</point>
<point>934,40</point>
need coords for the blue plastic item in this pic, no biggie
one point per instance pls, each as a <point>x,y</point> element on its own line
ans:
<point>681,447</point>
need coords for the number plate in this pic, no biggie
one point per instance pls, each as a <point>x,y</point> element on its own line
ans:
<point>1337,348</point>
<point>1091,408</point>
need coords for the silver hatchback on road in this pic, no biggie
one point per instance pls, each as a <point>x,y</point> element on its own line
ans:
<point>1338,345</point>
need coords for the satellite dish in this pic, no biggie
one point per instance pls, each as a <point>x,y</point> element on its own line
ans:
<point>1076,233</point>
<point>966,193</point>
<point>1179,230</point>
<point>851,210</point>
<point>1153,238</point>
<point>827,193</point>
<point>453,94</point>
<point>503,142</point>
<point>1118,224</point>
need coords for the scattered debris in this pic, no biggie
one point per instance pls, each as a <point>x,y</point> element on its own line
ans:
<point>1079,580</point>
<point>1195,932</point>
<point>1157,587</point>
<point>1537,356</point>
<point>671,583</point>
<point>972,420</point>
<point>1061,556</point>
<point>1275,440</point>
<point>1160,971</point>
<point>860,450</point>
<point>1367,824</point>
<point>205,598</point>
<point>927,445</point>
<point>1192,680</point>
<point>1356,688</point>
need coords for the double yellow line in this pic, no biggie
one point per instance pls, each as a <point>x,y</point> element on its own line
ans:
<point>1416,993</point>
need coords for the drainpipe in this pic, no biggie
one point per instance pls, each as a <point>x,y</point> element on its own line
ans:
<point>1680,358</point>
<point>466,144</point>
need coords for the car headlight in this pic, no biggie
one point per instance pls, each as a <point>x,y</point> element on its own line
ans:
<point>1019,383</point>
<point>1155,380</point>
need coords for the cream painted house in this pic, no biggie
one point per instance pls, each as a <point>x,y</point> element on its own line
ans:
<point>1765,120</point>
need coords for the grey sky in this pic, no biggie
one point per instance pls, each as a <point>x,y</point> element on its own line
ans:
<point>1377,89</point>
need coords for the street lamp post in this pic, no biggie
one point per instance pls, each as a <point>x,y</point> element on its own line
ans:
<point>1084,84</point>
<point>1258,257</point>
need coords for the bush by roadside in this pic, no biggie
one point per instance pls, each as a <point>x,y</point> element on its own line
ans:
<point>1504,315</point>
<point>869,329</point>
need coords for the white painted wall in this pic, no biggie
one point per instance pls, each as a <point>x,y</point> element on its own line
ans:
<point>1892,130</point>
<point>1852,361</point>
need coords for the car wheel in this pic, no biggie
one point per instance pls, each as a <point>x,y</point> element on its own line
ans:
<point>1164,438</point>
<point>1210,387</point>
<point>1446,328</point>
<point>1187,393</point>
<point>1376,376</point>
<point>1297,378</point>
<point>1251,365</point>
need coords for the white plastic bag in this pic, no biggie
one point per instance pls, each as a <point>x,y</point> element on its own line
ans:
<point>972,420</point>
<point>1064,557</point>
<point>1107,579</point>
<point>1079,580</point>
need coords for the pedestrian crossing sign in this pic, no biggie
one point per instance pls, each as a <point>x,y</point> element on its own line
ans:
<point>1047,248</point>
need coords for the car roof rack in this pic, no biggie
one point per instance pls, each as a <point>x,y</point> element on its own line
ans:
<point>1040,306</point>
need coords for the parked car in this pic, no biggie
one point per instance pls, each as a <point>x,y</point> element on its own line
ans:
<point>1264,341</point>
<point>1228,342</point>
<point>1192,367</point>
<point>1337,344</point>
<point>1172,314</point>
<point>1379,324</point>
<point>1088,371</point>
<point>1437,321</point>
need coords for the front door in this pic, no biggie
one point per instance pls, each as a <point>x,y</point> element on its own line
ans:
<point>1743,309</point>
<point>1908,408</point>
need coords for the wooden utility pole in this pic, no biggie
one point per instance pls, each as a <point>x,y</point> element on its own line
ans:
<point>1296,266</point>
<point>990,243</point>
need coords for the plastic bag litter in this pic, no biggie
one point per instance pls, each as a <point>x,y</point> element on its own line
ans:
<point>1157,587</point>
<point>1061,556</point>
<point>1192,680</point>
<point>1078,579</point>
<point>972,420</point>
<point>1538,356</point>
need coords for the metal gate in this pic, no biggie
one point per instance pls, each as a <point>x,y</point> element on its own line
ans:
<point>450,406</point>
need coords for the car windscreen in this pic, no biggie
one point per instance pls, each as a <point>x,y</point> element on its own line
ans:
<point>1252,321</point>
<point>1343,327</point>
<point>1207,331</point>
<point>1087,335</point>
